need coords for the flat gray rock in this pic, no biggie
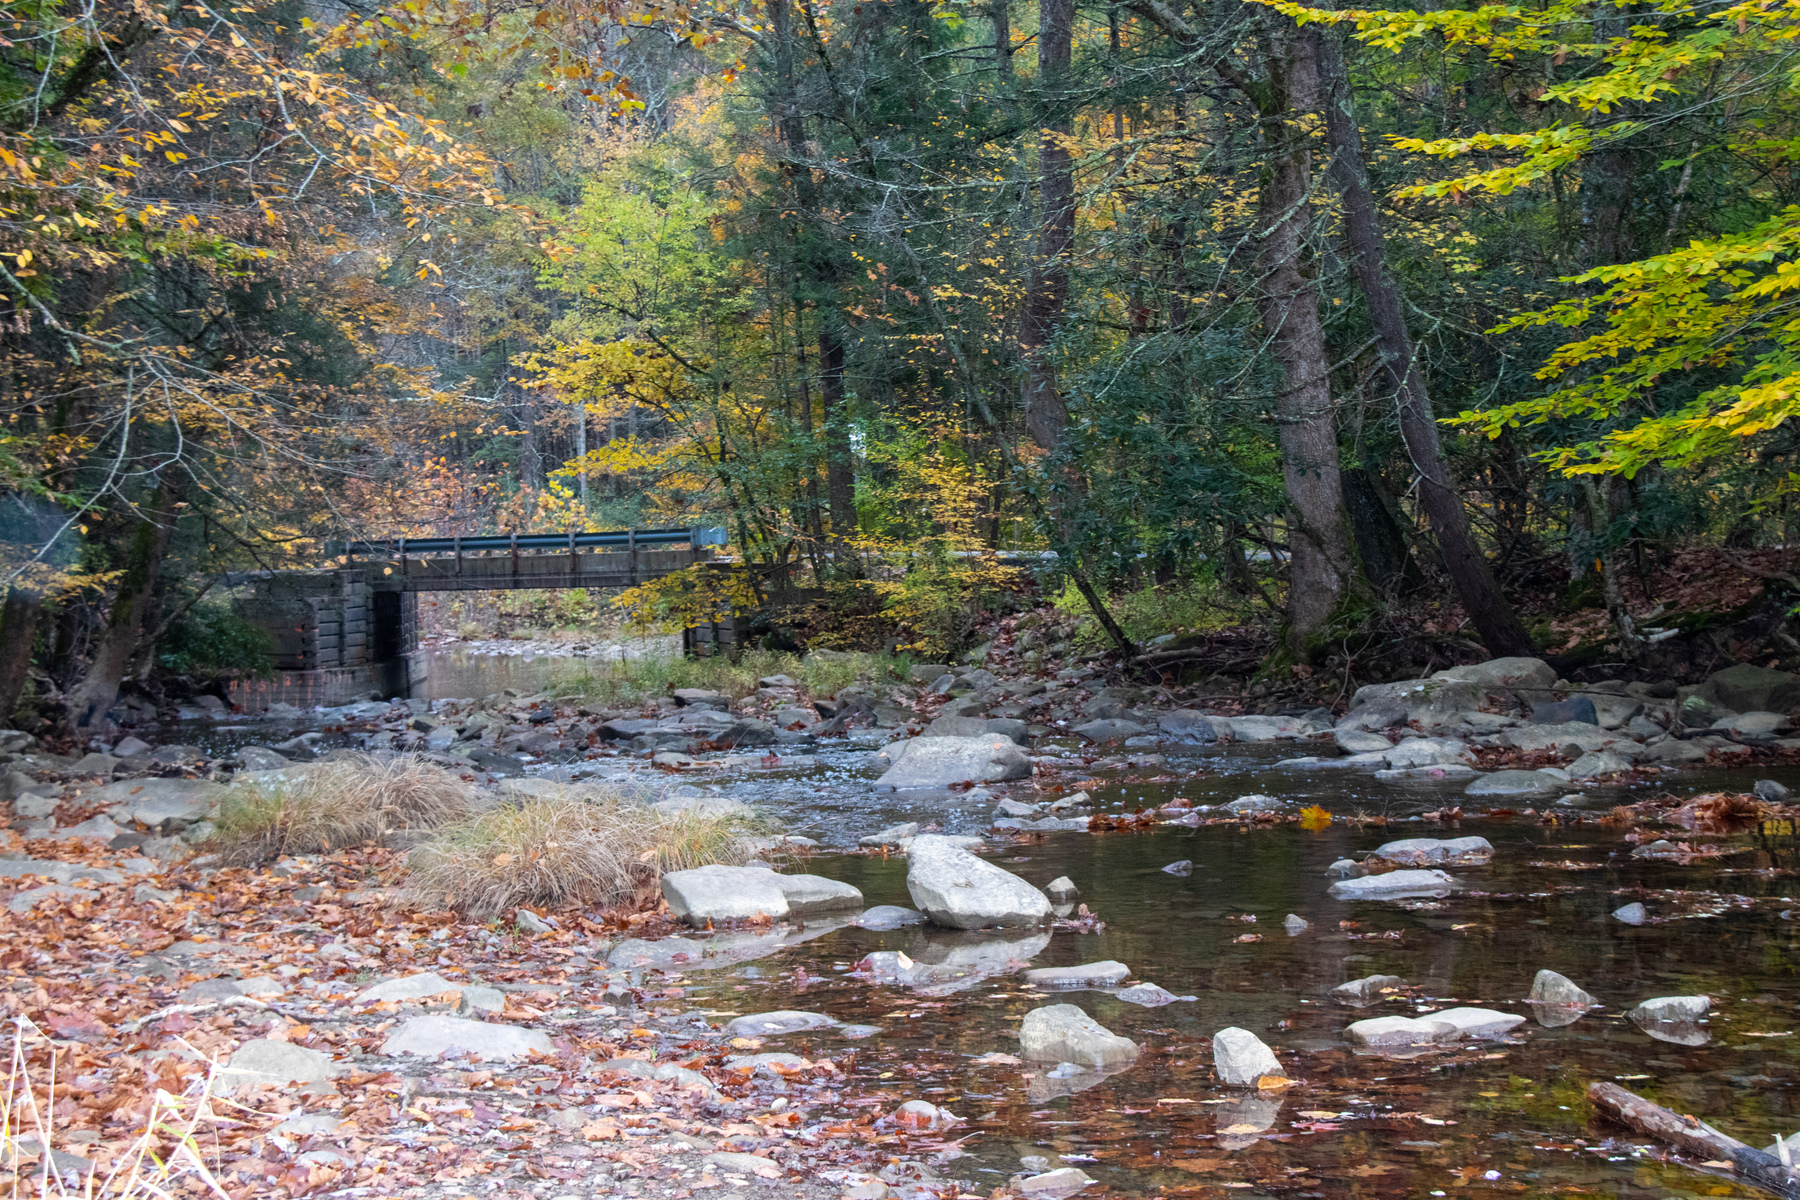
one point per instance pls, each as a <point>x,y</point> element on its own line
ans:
<point>1187,725</point>
<point>718,893</point>
<point>410,987</point>
<point>1111,730</point>
<point>1361,741</point>
<point>1401,1033</point>
<point>171,804</point>
<point>1395,885</point>
<point>774,1024</point>
<point>1062,1033</point>
<point>893,835</point>
<point>1241,1059</point>
<point>1428,752</point>
<point>1055,1185</point>
<point>1523,784</point>
<point>1555,737</point>
<point>957,890</point>
<point>676,952</point>
<point>1087,975</point>
<point>1437,852</point>
<point>809,895</point>
<point>1599,764</point>
<point>1478,1022</point>
<point>456,1037</point>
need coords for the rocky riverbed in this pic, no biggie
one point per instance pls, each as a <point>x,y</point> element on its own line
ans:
<point>1089,938</point>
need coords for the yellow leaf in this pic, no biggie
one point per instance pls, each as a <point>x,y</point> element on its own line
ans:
<point>501,860</point>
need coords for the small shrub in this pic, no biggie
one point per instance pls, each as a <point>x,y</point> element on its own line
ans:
<point>212,639</point>
<point>586,846</point>
<point>469,630</point>
<point>333,805</point>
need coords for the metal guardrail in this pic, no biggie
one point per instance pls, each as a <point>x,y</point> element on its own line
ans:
<point>706,535</point>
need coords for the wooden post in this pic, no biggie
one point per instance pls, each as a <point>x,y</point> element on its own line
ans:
<point>403,556</point>
<point>457,544</point>
<point>515,558</point>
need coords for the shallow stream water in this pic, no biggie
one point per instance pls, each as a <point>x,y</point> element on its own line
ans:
<point>1506,1116</point>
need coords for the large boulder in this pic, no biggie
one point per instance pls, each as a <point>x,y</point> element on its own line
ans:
<point>935,762</point>
<point>1062,1033</point>
<point>161,804</point>
<point>718,893</point>
<point>1746,688</point>
<point>957,890</point>
<point>1504,678</point>
<point>1427,701</point>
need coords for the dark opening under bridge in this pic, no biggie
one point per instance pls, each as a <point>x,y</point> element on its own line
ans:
<point>345,632</point>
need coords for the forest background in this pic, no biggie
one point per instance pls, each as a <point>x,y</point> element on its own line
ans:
<point>1362,329</point>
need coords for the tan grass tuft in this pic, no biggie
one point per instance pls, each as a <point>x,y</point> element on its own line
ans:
<point>333,805</point>
<point>587,847</point>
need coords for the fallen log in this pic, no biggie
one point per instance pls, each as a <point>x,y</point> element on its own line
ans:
<point>1695,1137</point>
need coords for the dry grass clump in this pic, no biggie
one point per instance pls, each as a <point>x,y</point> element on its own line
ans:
<point>586,847</point>
<point>329,806</point>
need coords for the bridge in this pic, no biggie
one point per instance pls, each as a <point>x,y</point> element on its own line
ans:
<point>345,632</point>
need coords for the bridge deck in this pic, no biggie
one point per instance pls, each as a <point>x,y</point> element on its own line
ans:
<point>505,571</point>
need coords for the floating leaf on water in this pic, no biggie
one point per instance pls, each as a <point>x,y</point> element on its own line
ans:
<point>1314,817</point>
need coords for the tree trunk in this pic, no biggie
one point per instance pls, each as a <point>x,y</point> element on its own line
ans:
<point>18,625</point>
<point>1501,630</point>
<point>1047,290</point>
<point>91,699</point>
<point>1322,566</point>
<point>840,468</point>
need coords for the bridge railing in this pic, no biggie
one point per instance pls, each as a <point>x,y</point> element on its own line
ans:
<point>629,539</point>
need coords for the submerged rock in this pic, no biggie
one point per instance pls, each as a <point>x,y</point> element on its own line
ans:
<point>1062,1033</point>
<point>1055,1185</point>
<point>888,916</point>
<point>1370,989</point>
<point>1149,995</point>
<point>1241,1059</point>
<point>957,890</point>
<point>1087,975</point>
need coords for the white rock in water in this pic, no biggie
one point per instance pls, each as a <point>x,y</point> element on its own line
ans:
<point>1060,1033</point>
<point>1061,888</point>
<point>1295,925</point>
<point>1395,1033</point>
<point>1631,914</point>
<point>1055,1185</point>
<point>1671,1008</point>
<point>1241,1059</point>
<point>808,895</point>
<point>935,762</point>
<point>774,1024</point>
<point>1433,852</point>
<point>1478,1022</point>
<point>958,890</point>
<point>1393,885</point>
<point>1551,988</point>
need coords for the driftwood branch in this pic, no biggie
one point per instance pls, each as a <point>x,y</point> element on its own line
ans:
<point>1695,1137</point>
